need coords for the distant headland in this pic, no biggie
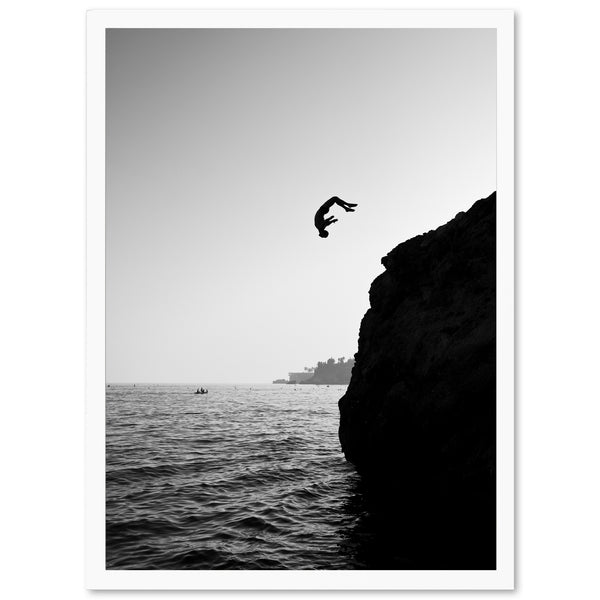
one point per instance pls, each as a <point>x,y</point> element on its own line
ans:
<point>328,372</point>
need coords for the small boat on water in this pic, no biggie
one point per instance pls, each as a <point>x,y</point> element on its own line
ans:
<point>201,391</point>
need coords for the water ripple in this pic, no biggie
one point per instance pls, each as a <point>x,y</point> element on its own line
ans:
<point>243,478</point>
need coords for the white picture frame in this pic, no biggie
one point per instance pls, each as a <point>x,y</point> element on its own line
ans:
<point>97,576</point>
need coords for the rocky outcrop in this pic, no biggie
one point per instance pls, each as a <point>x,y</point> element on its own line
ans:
<point>419,415</point>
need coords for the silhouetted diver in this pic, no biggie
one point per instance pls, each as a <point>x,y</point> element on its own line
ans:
<point>321,222</point>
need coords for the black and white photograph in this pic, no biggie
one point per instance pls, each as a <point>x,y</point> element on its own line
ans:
<point>301,299</point>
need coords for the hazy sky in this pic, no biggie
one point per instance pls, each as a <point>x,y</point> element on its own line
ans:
<point>221,145</point>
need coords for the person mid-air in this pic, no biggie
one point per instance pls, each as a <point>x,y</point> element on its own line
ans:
<point>321,222</point>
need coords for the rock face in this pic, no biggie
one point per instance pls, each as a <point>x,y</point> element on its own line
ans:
<point>419,416</point>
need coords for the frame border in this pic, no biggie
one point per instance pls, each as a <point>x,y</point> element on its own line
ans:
<point>96,574</point>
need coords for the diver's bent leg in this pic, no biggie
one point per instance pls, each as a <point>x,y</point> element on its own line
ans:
<point>345,205</point>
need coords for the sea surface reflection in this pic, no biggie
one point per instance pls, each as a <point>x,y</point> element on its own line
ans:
<point>244,477</point>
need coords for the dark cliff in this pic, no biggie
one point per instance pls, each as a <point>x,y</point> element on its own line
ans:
<point>419,415</point>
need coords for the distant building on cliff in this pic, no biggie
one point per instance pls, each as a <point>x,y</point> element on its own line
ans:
<point>299,377</point>
<point>332,372</point>
<point>329,372</point>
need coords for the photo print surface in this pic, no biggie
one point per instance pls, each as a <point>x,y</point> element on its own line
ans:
<point>301,299</point>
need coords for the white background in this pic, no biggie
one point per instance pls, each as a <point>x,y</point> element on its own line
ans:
<point>42,303</point>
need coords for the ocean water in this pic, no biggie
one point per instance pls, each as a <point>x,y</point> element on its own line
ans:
<point>245,477</point>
